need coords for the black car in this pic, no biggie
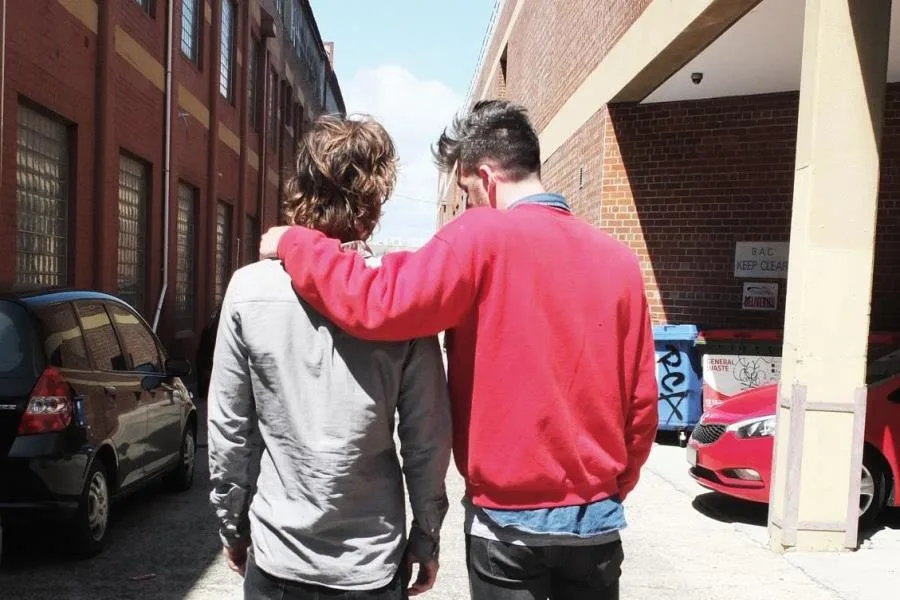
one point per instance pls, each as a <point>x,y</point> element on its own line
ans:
<point>91,408</point>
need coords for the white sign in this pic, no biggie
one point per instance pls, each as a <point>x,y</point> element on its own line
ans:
<point>760,296</point>
<point>725,376</point>
<point>766,260</point>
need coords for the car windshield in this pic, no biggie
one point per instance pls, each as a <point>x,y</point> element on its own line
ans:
<point>18,363</point>
<point>883,367</point>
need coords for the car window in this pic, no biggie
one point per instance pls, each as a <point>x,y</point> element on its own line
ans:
<point>62,338</point>
<point>138,340</point>
<point>101,337</point>
<point>19,365</point>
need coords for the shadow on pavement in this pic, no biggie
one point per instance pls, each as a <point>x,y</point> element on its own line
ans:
<point>160,545</point>
<point>889,520</point>
<point>731,510</point>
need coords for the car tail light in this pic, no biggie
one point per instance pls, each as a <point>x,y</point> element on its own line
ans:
<point>50,406</point>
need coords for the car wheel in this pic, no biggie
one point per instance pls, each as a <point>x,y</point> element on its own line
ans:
<point>88,529</point>
<point>181,479</point>
<point>872,491</point>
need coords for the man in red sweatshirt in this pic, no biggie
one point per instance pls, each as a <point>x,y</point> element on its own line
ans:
<point>551,361</point>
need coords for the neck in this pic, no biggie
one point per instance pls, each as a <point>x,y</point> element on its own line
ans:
<point>510,193</point>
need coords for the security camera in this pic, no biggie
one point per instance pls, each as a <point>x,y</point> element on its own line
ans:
<point>696,78</point>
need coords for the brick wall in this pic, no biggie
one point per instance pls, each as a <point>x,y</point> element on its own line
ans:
<point>52,58</point>
<point>683,182</point>
<point>555,45</point>
<point>552,48</point>
<point>48,54</point>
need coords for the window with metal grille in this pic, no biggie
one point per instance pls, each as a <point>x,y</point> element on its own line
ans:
<point>147,5</point>
<point>223,249</point>
<point>226,51</point>
<point>190,30</point>
<point>251,245</point>
<point>134,184</point>
<point>42,200</point>
<point>185,247</point>
<point>253,88</point>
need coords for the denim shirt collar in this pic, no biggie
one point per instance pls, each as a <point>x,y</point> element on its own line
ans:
<point>544,199</point>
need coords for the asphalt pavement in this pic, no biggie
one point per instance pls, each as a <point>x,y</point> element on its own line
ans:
<point>682,542</point>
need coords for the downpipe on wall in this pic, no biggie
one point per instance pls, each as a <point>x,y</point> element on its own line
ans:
<point>167,163</point>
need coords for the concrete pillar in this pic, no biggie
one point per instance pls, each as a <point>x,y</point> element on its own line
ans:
<point>821,415</point>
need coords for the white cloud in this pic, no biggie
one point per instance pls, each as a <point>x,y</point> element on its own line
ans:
<point>414,111</point>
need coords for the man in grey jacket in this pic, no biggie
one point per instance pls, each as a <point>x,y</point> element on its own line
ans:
<point>302,415</point>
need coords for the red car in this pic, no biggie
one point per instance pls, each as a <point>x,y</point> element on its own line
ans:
<point>730,450</point>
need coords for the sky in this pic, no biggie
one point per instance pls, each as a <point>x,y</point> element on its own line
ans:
<point>409,64</point>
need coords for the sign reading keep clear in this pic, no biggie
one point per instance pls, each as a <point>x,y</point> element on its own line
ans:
<point>761,260</point>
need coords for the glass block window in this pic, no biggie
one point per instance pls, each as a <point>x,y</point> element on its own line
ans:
<point>223,249</point>
<point>226,51</point>
<point>271,110</point>
<point>147,5</point>
<point>253,88</point>
<point>190,30</point>
<point>42,200</point>
<point>251,246</point>
<point>134,184</point>
<point>185,242</point>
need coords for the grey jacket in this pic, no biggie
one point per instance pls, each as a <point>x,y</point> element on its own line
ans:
<point>302,420</point>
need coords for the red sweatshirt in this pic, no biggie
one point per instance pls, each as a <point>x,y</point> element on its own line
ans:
<point>550,349</point>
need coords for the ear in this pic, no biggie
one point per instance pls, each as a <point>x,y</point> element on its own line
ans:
<point>486,173</point>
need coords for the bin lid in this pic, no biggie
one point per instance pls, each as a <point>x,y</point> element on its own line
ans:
<point>672,332</point>
<point>734,335</point>
<point>876,338</point>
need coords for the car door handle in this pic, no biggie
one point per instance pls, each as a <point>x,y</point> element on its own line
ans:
<point>110,390</point>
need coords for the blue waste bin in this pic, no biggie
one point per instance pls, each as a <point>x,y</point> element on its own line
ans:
<point>679,377</point>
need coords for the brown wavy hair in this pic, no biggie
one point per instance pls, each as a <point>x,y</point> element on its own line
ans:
<point>346,169</point>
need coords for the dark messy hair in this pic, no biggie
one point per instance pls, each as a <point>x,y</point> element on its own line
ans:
<point>346,170</point>
<point>496,132</point>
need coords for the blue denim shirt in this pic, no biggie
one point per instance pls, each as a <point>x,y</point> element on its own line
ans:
<point>587,520</point>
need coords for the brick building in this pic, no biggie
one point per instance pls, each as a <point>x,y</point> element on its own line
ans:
<point>691,170</point>
<point>101,123</point>
<point>706,133</point>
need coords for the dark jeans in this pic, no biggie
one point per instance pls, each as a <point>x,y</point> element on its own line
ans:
<point>259,585</point>
<point>500,571</point>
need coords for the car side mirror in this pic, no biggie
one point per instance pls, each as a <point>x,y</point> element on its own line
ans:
<point>178,367</point>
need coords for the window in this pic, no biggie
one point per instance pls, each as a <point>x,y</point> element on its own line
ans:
<point>63,342</point>
<point>139,342</point>
<point>223,249</point>
<point>251,246</point>
<point>253,87</point>
<point>133,192</point>
<point>101,337</point>
<point>272,102</point>
<point>501,75</point>
<point>191,19</point>
<point>185,247</point>
<point>18,369</point>
<point>42,200</point>
<point>226,51</point>
<point>296,27</point>
<point>288,105</point>
<point>147,5</point>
